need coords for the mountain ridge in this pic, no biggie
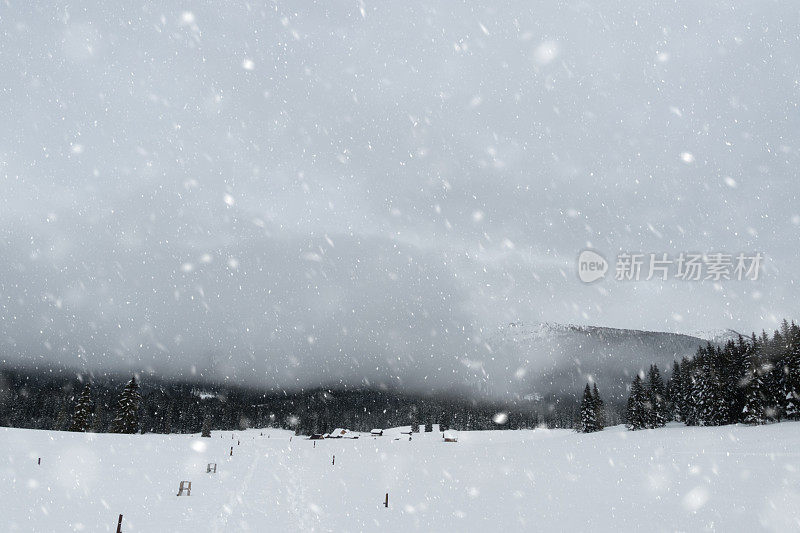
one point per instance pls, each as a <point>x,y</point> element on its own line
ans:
<point>552,358</point>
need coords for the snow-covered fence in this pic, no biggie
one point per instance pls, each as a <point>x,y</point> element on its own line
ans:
<point>185,486</point>
<point>211,468</point>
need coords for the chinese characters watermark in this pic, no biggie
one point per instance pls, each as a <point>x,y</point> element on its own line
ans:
<point>686,266</point>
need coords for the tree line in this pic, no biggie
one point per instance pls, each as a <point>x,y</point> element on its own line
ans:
<point>751,380</point>
<point>47,399</point>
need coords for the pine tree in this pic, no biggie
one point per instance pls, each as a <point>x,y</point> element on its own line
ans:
<point>588,412</point>
<point>791,382</point>
<point>657,399</point>
<point>753,411</point>
<point>771,380</point>
<point>127,417</point>
<point>711,406</point>
<point>600,409</point>
<point>168,419</point>
<point>98,420</point>
<point>428,426</point>
<point>64,419</point>
<point>206,431</point>
<point>636,411</point>
<point>685,398</point>
<point>733,376</point>
<point>674,387</point>
<point>83,411</point>
<point>444,420</point>
<point>697,390</point>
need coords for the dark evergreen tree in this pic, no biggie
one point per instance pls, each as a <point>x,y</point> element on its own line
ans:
<point>712,410</point>
<point>599,407</point>
<point>206,431</point>
<point>81,417</point>
<point>790,390</point>
<point>98,419</point>
<point>732,378</point>
<point>428,426</point>
<point>696,405</point>
<point>63,418</point>
<point>656,399</point>
<point>753,411</point>
<point>636,409</point>
<point>588,412</point>
<point>414,418</point>
<point>673,391</point>
<point>127,412</point>
<point>685,402</point>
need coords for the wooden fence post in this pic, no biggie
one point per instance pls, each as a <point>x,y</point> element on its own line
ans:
<point>119,524</point>
<point>386,501</point>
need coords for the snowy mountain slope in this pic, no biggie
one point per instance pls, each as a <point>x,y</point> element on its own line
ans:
<point>559,359</point>
<point>731,478</point>
<point>717,336</point>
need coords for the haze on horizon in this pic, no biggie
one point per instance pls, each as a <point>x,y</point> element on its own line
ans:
<point>295,193</point>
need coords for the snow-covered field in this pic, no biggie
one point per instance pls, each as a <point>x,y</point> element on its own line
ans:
<point>677,478</point>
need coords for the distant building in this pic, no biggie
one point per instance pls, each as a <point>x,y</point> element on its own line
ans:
<point>341,433</point>
<point>376,432</point>
<point>316,436</point>
<point>337,433</point>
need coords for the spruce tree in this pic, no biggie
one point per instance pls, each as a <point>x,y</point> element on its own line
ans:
<point>127,412</point>
<point>588,412</point>
<point>685,403</point>
<point>712,408</point>
<point>771,379</point>
<point>657,399</point>
<point>734,378</point>
<point>83,411</point>
<point>753,411</point>
<point>600,409</point>
<point>636,412</point>
<point>64,419</point>
<point>791,390</point>
<point>674,388</point>
<point>206,431</point>
<point>791,384</point>
<point>415,418</point>
<point>98,420</point>
<point>697,386</point>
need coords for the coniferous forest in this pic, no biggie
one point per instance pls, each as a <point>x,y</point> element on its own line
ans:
<point>751,380</point>
<point>62,401</point>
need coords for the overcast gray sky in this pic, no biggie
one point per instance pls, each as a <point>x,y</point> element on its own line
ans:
<point>296,192</point>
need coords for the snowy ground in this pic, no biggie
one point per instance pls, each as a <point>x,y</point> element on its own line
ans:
<point>677,478</point>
